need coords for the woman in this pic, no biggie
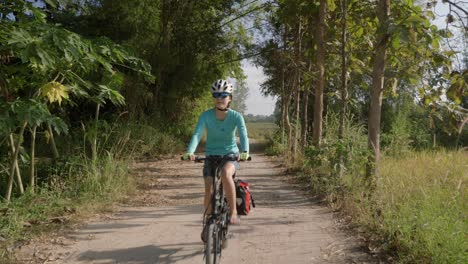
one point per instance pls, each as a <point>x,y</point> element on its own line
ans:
<point>220,123</point>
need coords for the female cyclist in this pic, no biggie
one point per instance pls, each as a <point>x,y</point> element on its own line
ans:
<point>220,123</point>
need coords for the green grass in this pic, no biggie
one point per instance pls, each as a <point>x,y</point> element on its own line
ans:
<point>68,196</point>
<point>419,208</point>
<point>424,205</point>
<point>139,140</point>
<point>261,131</point>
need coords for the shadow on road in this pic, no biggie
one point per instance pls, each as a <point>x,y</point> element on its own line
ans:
<point>146,254</point>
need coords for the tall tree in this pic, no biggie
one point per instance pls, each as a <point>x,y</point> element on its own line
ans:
<point>297,87</point>
<point>320,66</point>
<point>344,78</point>
<point>240,95</point>
<point>380,54</point>
<point>305,108</point>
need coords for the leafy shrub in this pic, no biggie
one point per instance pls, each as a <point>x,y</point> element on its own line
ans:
<point>397,142</point>
<point>346,156</point>
<point>274,146</point>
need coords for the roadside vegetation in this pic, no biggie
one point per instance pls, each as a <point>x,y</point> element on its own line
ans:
<point>81,100</point>
<point>372,113</point>
<point>74,186</point>
<point>415,213</point>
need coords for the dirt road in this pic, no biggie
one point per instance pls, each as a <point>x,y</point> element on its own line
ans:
<point>163,225</point>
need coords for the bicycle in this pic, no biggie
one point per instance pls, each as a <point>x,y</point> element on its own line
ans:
<point>215,227</point>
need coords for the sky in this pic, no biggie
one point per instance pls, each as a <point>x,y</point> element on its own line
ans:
<point>257,104</point>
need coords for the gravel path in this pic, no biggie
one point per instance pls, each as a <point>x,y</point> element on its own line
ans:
<point>163,224</point>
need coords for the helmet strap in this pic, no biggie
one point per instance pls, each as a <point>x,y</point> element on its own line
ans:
<point>222,110</point>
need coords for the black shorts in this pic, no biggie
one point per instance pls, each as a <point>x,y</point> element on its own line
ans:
<point>209,168</point>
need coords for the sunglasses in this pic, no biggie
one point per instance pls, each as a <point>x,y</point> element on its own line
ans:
<point>221,95</point>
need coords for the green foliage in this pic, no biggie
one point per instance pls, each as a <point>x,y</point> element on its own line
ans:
<point>322,165</point>
<point>420,131</point>
<point>47,61</point>
<point>458,87</point>
<point>15,113</point>
<point>47,64</point>
<point>186,59</point>
<point>397,141</point>
<point>274,145</point>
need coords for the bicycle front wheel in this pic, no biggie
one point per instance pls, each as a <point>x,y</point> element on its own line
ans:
<point>212,247</point>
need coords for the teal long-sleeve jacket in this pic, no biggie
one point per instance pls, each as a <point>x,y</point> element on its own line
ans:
<point>221,134</point>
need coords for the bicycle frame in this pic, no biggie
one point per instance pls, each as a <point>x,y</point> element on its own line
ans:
<point>219,212</point>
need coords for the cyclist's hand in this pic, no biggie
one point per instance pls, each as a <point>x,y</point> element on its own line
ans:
<point>188,156</point>
<point>244,156</point>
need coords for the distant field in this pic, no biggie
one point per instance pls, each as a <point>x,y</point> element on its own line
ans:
<point>260,131</point>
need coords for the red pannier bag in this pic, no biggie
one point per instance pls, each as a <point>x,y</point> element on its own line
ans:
<point>244,199</point>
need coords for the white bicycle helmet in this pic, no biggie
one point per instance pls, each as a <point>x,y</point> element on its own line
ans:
<point>221,86</point>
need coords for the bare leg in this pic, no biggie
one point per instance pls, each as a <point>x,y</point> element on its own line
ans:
<point>207,199</point>
<point>229,189</point>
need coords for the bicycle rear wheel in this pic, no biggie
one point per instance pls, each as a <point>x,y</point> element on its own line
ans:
<point>212,246</point>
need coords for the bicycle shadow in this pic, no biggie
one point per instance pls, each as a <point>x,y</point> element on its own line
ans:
<point>149,254</point>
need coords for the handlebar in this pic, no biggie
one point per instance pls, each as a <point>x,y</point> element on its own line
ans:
<point>202,158</point>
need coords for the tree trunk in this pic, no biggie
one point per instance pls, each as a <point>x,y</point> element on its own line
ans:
<point>168,14</point>
<point>297,109</point>
<point>94,142</point>
<point>432,128</point>
<point>18,173</point>
<point>318,106</point>
<point>460,131</point>
<point>33,162</point>
<point>383,12</point>
<point>297,87</point>
<point>283,89</point>
<point>287,121</point>
<point>344,81</point>
<point>305,106</point>
<point>14,160</point>
<point>52,142</point>
<point>283,107</point>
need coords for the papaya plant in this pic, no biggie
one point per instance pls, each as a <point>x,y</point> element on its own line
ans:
<point>44,66</point>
